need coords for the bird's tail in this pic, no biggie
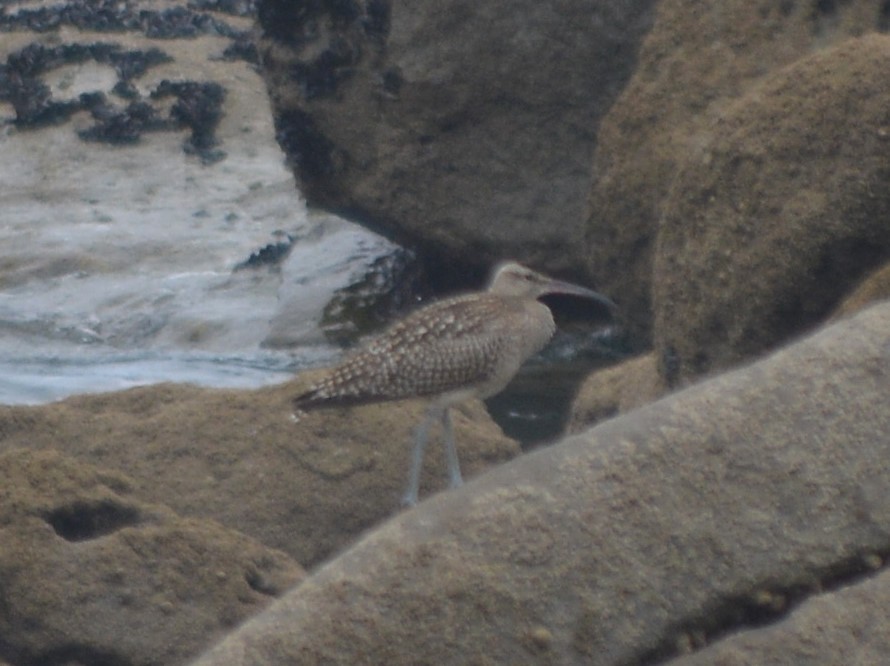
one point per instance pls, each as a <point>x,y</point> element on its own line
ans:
<point>308,400</point>
<point>319,397</point>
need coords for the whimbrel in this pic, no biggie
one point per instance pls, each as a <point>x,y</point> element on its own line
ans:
<point>463,347</point>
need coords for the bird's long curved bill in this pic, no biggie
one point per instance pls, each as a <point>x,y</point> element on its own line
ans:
<point>569,289</point>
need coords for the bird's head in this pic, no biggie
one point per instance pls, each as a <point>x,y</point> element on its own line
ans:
<point>512,279</point>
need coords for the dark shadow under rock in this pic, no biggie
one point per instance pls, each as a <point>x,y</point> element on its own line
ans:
<point>841,627</point>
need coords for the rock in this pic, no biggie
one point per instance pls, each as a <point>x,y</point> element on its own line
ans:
<point>778,214</point>
<point>615,390</point>
<point>875,287</point>
<point>308,488</point>
<point>698,60</point>
<point>689,516</point>
<point>92,575</point>
<point>841,627</point>
<point>465,131</point>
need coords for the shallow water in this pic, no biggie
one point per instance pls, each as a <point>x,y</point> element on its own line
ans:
<point>71,334</point>
<point>115,274</point>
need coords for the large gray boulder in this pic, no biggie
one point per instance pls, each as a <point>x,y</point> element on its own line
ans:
<point>684,520</point>
<point>466,129</point>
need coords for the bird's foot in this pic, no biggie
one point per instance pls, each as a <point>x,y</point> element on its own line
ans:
<point>455,481</point>
<point>409,499</point>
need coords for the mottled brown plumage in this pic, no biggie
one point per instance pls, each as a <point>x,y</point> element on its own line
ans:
<point>452,350</point>
<point>465,343</point>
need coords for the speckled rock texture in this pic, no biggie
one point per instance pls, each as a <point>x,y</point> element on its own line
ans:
<point>708,512</point>
<point>738,195</point>
<point>778,214</point>
<point>92,575</point>
<point>464,129</point>
<point>237,457</point>
<point>709,74</point>
<point>615,390</point>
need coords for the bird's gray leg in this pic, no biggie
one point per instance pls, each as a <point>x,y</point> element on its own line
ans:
<point>454,478</point>
<point>421,437</point>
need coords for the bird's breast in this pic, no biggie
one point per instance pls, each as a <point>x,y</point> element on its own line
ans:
<point>538,328</point>
<point>526,332</point>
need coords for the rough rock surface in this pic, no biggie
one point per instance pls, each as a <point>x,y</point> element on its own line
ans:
<point>847,626</point>
<point>465,129</point>
<point>875,287</point>
<point>308,488</point>
<point>615,390</point>
<point>698,59</point>
<point>690,517</point>
<point>780,212</point>
<point>91,575</point>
